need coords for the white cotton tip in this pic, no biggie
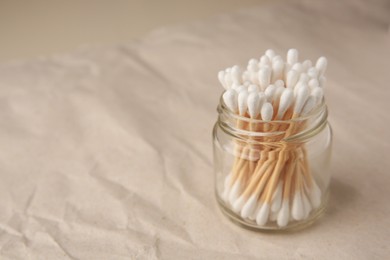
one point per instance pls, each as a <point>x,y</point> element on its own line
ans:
<point>322,81</point>
<point>273,216</point>
<point>310,103</point>
<point>262,215</point>
<point>249,207</point>
<point>264,61</point>
<point>278,93</point>
<point>262,100</point>
<point>277,198</point>
<point>242,102</point>
<point>297,67</point>
<point>297,210</point>
<point>235,69</point>
<point>321,65</point>
<point>255,211</point>
<point>230,99</point>
<point>240,89</point>
<point>221,78</point>
<point>279,83</point>
<point>284,214</point>
<point>253,67</point>
<point>304,78</point>
<point>235,86</point>
<point>303,93</point>
<point>313,83</point>
<point>264,77</point>
<point>306,65</point>
<point>306,205</point>
<point>297,86</point>
<point>285,102</point>
<point>253,104</point>
<point>234,192</point>
<point>270,92</point>
<point>287,68</point>
<point>228,79</point>
<point>277,58</point>
<point>270,53</point>
<point>237,205</point>
<point>253,61</point>
<point>236,74</point>
<point>292,78</point>
<point>225,193</point>
<point>313,73</point>
<point>267,111</point>
<point>253,88</point>
<point>254,78</point>
<point>277,70</point>
<point>246,76</point>
<point>292,56</point>
<point>318,93</point>
<point>315,195</point>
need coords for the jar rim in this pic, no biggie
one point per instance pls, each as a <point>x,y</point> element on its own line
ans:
<point>317,118</point>
<point>317,110</point>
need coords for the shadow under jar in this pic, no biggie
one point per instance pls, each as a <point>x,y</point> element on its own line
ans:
<point>272,175</point>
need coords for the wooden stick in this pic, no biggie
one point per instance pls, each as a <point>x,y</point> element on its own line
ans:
<point>264,156</point>
<point>238,166</point>
<point>258,182</point>
<point>288,178</point>
<point>275,174</point>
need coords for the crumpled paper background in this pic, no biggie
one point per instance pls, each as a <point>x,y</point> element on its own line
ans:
<point>106,152</point>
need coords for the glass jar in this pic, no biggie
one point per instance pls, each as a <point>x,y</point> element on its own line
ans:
<point>272,175</point>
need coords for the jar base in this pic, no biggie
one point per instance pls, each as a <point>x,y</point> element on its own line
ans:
<point>273,227</point>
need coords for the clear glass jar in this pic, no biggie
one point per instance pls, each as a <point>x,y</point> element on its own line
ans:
<point>276,177</point>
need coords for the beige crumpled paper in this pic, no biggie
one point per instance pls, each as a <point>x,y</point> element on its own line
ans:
<point>106,152</point>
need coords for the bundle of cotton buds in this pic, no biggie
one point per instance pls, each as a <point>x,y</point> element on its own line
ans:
<point>273,185</point>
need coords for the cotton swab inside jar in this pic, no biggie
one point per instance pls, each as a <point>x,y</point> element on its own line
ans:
<point>264,77</point>
<point>306,65</point>
<point>242,102</point>
<point>230,99</point>
<point>264,61</point>
<point>270,53</point>
<point>277,70</point>
<point>272,185</point>
<point>292,56</point>
<point>286,100</point>
<point>292,78</point>
<point>321,65</point>
<point>270,92</point>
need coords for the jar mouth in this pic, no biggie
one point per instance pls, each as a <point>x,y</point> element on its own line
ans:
<point>310,125</point>
<point>222,108</point>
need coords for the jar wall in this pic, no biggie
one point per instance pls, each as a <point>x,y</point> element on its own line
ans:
<point>259,199</point>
